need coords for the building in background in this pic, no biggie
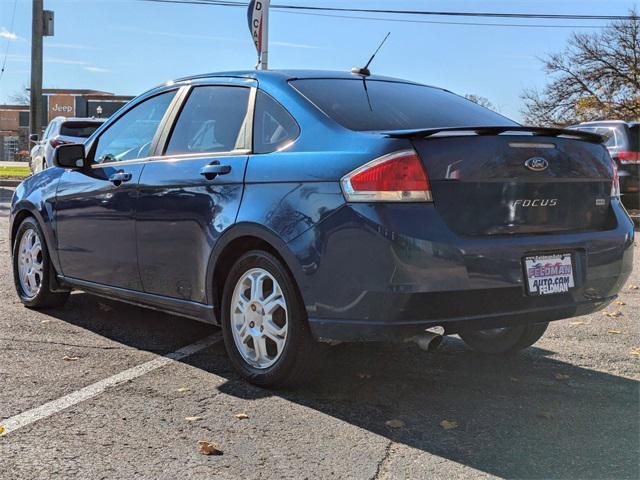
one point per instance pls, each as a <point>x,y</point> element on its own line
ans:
<point>14,119</point>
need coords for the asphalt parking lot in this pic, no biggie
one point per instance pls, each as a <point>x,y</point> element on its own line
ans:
<point>566,408</point>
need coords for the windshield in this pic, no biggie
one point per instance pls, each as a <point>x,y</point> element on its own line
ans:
<point>382,105</point>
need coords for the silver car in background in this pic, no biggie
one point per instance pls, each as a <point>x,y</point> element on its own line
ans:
<point>61,130</point>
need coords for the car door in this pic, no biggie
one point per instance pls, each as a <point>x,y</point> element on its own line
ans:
<point>192,193</point>
<point>95,206</point>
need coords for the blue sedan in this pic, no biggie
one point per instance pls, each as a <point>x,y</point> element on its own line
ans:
<point>298,207</point>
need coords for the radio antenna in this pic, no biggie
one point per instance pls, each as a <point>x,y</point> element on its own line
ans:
<point>365,70</point>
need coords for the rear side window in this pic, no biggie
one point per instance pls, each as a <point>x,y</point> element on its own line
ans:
<point>381,105</point>
<point>214,119</point>
<point>78,129</point>
<point>273,126</point>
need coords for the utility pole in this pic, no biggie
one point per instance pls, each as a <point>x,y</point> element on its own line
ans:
<point>35,108</point>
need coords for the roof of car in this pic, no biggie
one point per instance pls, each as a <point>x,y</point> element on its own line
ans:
<point>80,119</point>
<point>291,75</point>
<point>608,122</point>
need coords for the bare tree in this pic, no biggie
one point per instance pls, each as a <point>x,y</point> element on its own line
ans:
<point>597,76</point>
<point>21,97</point>
<point>480,100</point>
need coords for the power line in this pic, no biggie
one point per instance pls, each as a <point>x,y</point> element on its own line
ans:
<point>409,12</point>
<point>6,50</point>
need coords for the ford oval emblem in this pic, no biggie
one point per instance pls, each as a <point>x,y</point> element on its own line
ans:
<point>537,164</point>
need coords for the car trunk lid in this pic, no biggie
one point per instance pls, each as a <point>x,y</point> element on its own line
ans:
<point>502,180</point>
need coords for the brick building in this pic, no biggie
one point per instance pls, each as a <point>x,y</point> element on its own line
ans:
<point>14,119</point>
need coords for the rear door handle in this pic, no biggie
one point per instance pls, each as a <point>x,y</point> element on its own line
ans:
<point>119,178</point>
<point>214,169</point>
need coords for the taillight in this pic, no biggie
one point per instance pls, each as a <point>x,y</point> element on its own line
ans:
<point>615,181</point>
<point>396,177</point>
<point>629,157</point>
<point>56,143</point>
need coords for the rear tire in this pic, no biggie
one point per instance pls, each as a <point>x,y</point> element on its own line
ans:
<point>264,323</point>
<point>504,340</point>
<point>32,268</point>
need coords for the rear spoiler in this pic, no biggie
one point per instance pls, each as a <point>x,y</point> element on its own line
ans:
<point>542,131</point>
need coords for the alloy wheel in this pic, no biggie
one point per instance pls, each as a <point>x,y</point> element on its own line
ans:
<point>259,318</point>
<point>30,263</point>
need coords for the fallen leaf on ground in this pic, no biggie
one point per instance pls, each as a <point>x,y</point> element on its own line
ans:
<point>395,423</point>
<point>241,416</point>
<point>614,331</point>
<point>183,389</point>
<point>545,415</point>
<point>561,376</point>
<point>193,419</point>
<point>104,307</point>
<point>208,448</point>
<point>1,429</point>
<point>635,351</point>
<point>364,375</point>
<point>619,302</point>
<point>615,313</point>
<point>67,358</point>
<point>579,322</point>
<point>448,424</point>
<point>633,287</point>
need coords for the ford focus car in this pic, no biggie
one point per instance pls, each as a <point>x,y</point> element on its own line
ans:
<point>298,207</point>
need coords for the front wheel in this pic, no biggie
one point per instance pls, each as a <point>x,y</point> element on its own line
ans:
<point>264,323</point>
<point>31,268</point>
<point>504,340</point>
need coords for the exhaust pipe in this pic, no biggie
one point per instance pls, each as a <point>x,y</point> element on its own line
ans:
<point>430,340</point>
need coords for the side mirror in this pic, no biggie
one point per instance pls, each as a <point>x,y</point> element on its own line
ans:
<point>69,156</point>
<point>34,137</point>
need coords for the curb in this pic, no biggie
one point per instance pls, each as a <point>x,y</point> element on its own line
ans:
<point>5,182</point>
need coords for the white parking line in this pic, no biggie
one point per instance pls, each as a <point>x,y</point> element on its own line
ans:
<point>50,408</point>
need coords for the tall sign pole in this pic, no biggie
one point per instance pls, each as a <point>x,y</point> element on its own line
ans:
<point>37,30</point>
<point>258,18</point>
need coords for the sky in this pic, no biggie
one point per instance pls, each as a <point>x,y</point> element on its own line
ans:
<point>128,46</point>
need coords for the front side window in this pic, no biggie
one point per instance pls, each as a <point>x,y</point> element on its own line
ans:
<point>273,126</point>
<point>365,105</point>
<point>131,135</point>
<point>214,119</point>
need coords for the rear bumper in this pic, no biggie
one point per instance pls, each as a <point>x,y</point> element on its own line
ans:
<point>387,272</point>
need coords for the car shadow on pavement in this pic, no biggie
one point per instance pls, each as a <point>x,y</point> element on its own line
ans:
<point>523,416</point>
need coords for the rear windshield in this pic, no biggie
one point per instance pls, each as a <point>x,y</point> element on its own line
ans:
<point>381,105</point>
<point>613,137</point>
<point>79,129</point>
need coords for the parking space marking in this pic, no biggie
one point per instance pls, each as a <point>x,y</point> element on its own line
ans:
<point>50,408</point>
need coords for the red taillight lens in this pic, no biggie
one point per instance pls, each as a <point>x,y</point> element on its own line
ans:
<point>56,143</point>
<point>629,157</point>
<point>397,177</point>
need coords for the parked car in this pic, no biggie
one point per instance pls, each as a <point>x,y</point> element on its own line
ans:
<point>623,142</point>
<point>61,130</point>
<point>296,207</point>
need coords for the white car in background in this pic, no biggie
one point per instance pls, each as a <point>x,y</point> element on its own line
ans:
<point>61,130</point>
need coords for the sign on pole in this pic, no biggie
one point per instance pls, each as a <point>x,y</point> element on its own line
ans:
<point>258,17</point>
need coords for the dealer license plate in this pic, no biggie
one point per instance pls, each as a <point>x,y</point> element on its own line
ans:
<point>549,274</point>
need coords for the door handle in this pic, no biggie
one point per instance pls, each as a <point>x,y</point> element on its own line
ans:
<point>120,177</point>
<point>214,169</point>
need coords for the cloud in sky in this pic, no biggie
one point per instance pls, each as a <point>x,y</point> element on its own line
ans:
<point>97,69</point>
<point>6,34</point>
